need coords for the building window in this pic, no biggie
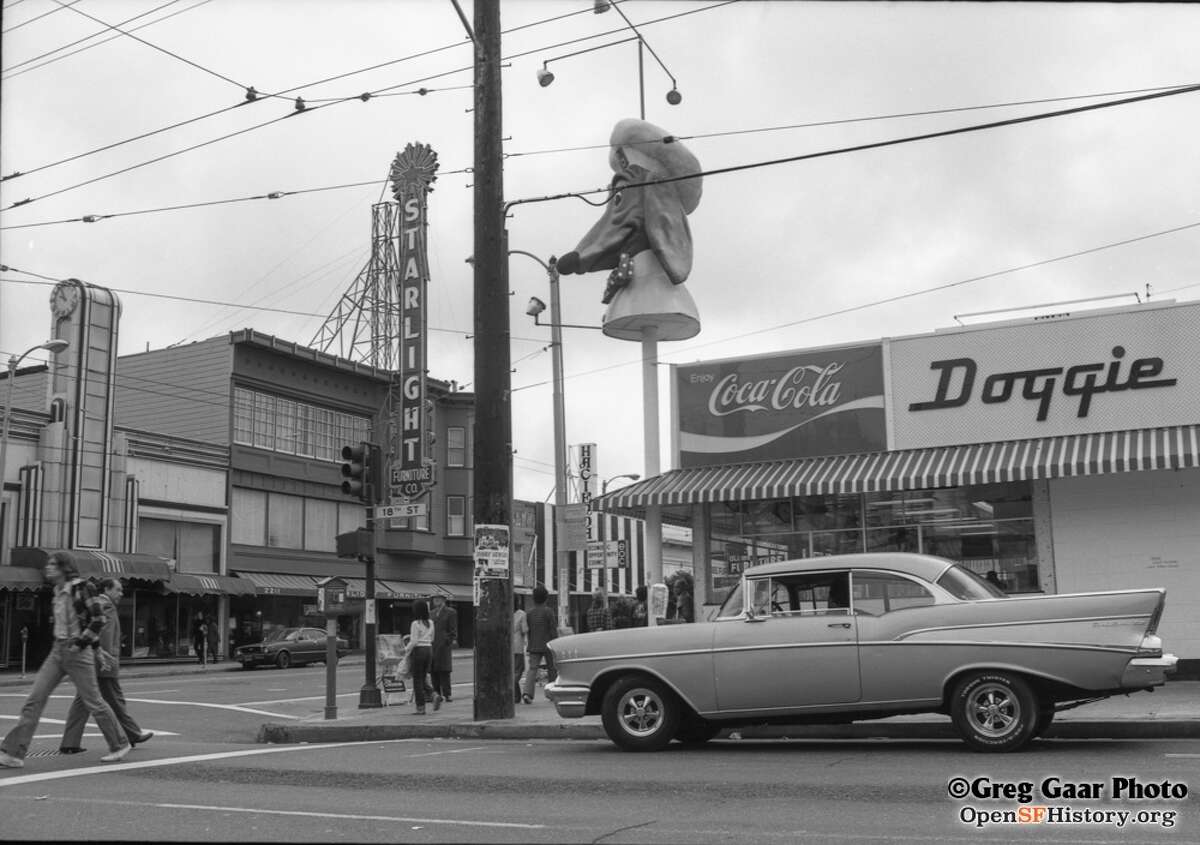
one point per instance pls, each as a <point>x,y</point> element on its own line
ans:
<point>248,517</point>
<point>285,521</point>
<point>284,425</point>
<point>456,446</point>
<point>194,546</point>
<point>456,516</point>
<point>320,525</point>
<point>243,416</point>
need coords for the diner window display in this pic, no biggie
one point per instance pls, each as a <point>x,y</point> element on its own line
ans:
<point>988,528</point>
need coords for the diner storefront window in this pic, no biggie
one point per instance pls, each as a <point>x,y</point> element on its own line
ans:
<point>988,528</point>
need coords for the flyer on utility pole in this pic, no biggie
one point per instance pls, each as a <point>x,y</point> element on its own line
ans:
<point>491,551</point>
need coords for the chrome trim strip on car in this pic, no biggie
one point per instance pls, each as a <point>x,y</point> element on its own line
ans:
<point>1119,649</point>
<point>1023,623</point>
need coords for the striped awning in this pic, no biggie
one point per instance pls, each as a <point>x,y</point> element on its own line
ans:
<point>92,562</point>
<point>208,585</point>
<point>1175,447</point>
<point>282,584</point>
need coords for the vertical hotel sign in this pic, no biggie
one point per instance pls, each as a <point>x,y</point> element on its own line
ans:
<point>413,174</point>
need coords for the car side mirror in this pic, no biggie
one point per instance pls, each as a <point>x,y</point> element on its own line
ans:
<point>751,617</point>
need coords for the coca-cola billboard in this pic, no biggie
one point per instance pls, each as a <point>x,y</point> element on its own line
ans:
<point>791,405</point>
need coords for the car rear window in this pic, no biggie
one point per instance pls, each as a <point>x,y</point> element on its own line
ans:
<point>966,585</point>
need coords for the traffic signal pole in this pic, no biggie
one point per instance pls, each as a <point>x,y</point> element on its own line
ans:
<point>493,409</point>
<point>362,476</point>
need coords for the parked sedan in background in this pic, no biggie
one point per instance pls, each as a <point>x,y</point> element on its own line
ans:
<point>852,637</point>
<point>285,647</point>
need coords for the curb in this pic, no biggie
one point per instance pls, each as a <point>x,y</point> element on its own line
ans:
<point>273,733</point>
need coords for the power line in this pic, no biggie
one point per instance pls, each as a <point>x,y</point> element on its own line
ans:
<point>38,17</point>
<point>253,95</point>
<point>93,218</point>
<point>152,46</point>
<point>93,35</point>
<point>945,133</point>
<point>897,298</point>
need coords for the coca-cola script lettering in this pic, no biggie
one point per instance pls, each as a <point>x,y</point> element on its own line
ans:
<point>1039,385</point>
<point>806,386</point>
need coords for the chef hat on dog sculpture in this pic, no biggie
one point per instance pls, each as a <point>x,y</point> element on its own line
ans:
<point>643,236</point>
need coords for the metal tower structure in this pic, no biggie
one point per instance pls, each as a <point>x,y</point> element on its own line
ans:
<point>364,326</point>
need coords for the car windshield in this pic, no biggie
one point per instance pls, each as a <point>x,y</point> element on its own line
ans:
<point>278,634</point>
<point>964,584</point>
<point>733,603</point>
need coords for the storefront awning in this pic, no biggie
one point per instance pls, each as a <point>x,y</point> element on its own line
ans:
<point>408,589</point>
<point>208,585</point>
<point>92,562</point>
<point>1175,447</point>
<point>21,578</point>
<point>457,592</point>
<point>281,584</point>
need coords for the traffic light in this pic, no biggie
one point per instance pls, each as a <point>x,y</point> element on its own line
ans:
<point>361,472</point>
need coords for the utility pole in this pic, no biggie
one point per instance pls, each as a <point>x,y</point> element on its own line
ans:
<point>493,406</point>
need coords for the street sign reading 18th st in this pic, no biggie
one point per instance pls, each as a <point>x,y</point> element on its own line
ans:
<point>401,510</point>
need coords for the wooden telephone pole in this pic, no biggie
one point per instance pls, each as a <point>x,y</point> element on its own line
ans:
<point>493,408</point>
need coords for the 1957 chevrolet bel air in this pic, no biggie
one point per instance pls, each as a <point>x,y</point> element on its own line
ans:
<point>852,637</point>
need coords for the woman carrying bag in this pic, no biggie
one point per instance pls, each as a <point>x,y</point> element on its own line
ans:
<point>420,653</point>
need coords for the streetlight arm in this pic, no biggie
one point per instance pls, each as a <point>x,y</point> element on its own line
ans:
<point>629,23</point>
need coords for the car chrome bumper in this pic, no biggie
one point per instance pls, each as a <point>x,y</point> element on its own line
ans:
<point>1148,671</point>
<point>569,701</point>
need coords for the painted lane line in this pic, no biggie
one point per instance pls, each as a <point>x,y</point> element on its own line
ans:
<point>440,753</point>
<point>98,735</point>
<point>1185,756</point>
<point>294,700</point>
<point>309,814</point>
<point>19,780</point>
<point>215,707</point>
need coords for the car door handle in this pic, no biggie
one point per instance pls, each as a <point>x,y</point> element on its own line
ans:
<point>838,625</point>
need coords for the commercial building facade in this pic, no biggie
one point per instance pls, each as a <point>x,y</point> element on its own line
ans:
<point>1053,455</point>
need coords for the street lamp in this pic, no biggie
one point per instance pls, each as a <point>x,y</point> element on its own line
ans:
<point>53,346</point>
<point>632,476</point>
<point>545,77</point>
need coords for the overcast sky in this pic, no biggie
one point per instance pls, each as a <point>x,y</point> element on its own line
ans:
<point>779,250</point>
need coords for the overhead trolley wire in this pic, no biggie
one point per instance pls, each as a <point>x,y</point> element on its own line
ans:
<point>48,53</point>
<point>38,17</point>
<point>285,93</point>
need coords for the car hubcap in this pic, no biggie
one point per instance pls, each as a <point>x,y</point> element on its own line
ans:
<point>994,710</point>
<point>641,712</point>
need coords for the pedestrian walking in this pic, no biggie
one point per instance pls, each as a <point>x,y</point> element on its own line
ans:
<point>78,619</point>
<point>622,612</point>
<point>445,639</point>
<point>199,636</point>
<point>543,627</point>
<point>599,618</point>
<point>213,635</point>
<point>520,640</point>
<point>108,665</point>
<point>420,653</point>
<point>685,608</point>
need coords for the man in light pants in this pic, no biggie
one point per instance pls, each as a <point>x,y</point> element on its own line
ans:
<point>78,619</point>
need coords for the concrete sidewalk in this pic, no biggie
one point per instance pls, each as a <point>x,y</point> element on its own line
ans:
<point>1172,711</point>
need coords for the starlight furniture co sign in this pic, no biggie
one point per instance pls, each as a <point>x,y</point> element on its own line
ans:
<point>1106,371</point>
<point>413,173</point>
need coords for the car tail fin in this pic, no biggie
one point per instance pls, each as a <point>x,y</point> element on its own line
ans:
<point>1152,628</point>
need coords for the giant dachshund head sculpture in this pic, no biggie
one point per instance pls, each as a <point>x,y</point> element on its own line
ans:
<point>643,236</point>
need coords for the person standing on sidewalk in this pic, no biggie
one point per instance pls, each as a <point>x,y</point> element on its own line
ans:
<point>520,640</point>
<point>108,666</point>
<point>420,653</point>
<point>599,617</point>
<point>78,619</point>
<point>445,639</point>
<point>543,627</point>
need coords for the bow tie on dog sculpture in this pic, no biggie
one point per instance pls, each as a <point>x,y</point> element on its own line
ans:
<point>643,236</point>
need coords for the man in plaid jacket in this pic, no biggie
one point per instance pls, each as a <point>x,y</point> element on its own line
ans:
<point>78,619</point>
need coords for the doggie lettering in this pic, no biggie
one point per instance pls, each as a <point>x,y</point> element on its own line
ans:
<point>957,377</point>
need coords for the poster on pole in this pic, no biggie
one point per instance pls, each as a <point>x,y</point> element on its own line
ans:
<point>491,551</point>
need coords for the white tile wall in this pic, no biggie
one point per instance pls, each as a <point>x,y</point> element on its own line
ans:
<point>1134,529</point>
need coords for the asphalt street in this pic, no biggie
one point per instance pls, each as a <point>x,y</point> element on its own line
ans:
<point>571,791</point>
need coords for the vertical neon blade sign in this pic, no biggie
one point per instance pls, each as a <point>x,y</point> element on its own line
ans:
<point>413,174</point>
